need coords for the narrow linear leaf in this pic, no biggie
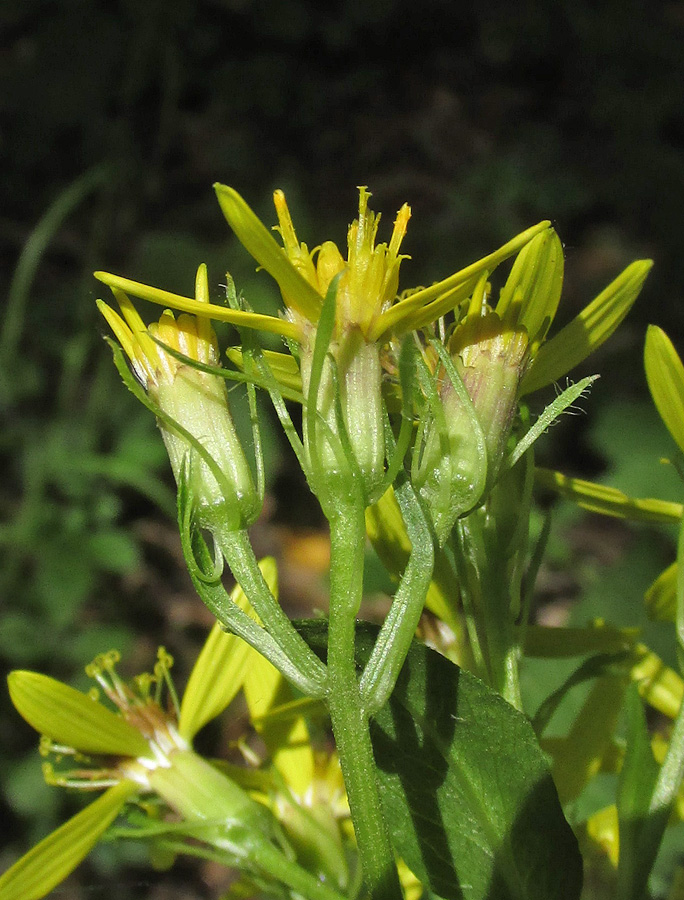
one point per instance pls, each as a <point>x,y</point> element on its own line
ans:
<point>640,830</point>
<point>665,377</point>
<point>588,330</point>
<point>608,501</point>
<point>71,718</point>
<point>55,857</point>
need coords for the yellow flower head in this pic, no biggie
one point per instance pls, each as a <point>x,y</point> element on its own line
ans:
<point>370,274</point>
<point>192,404</point>
<point>192,336</point>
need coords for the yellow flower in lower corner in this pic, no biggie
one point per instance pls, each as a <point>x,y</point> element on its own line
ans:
<point>141,746</point>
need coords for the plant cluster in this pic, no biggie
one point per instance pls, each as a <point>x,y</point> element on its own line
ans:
<point>415,434</point>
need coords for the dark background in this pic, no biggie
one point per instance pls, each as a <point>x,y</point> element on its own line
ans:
<point>115,120</point>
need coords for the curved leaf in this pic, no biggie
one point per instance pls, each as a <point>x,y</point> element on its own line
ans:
<point>588,330</point>
<point>665,376</point>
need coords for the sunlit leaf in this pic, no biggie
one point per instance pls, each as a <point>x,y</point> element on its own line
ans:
<point>607,500</point>
<point>50,861</point>
<point>661,597</point>
<point>71,718</point>
<point>665,377</point>
<point>220,670</point>
<point>588,330</point>
<point>535,282</point>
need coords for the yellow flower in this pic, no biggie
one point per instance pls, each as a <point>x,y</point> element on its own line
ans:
<point>192,404</point>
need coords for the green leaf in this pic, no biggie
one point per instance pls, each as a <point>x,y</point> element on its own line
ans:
<point>55,857</point>
<point>257,239</point>
<point>220,669</point>
<point>535,282</point>
<point>608,501</point>
<point>661,597</point>
<point>588,330</point>
<point>665,377</point>
<point>71,718</point>
<point>640,830</point>
<point>467,791</point>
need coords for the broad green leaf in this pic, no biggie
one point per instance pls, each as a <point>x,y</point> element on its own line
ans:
<point>257,239</point>
<point>219,671</point>
<point>665,377</point>
<point>640,830</point>
<point>55,857</point>
<point>609,501</point>
<point>71,718</point>
<point>588,330</point>
<point>535,284</point>
<point>661,597</point>
<point>467,791</point>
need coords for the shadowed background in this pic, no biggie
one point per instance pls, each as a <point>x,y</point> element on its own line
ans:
<point>115,120</point>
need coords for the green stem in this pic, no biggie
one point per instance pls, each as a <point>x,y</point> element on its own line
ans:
<point>271,860</point>
<point>399,628</point>
<point>349,721</point>
<point>238,552</point>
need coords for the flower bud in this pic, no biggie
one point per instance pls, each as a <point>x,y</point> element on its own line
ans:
<point>196,424</point>
<point>491,359</point>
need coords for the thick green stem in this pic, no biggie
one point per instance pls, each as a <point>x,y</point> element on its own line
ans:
<point>349,722</point>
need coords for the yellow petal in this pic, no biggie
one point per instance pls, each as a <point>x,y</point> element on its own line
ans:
<point>665,376</point>
<point>257,239</point>
<point>609,501</point>
<point>71,718</point>
<point>578,757</point>
<point>55,857</point>
<point>394,317</point>
<point>588,330</point>
<point>272,324</point>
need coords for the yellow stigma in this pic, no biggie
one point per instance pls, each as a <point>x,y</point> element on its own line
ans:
<point>370,273</point>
